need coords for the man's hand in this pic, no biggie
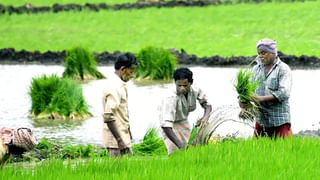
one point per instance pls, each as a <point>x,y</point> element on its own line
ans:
<point>172,136</point>
<point>130,133</point>
<point>201,122</point>
<point>121,144</point>
<point>257,99</point>
<point>126,151</point>
<point>243,105</point>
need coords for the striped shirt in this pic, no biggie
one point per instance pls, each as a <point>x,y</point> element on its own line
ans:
<point>277,82</point>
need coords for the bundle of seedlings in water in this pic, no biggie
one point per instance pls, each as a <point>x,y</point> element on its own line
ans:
<point>81,65</point>
<point>151,144</point>
<point>202,134</point>
<point>56,98</point>
<point>155,64</point>
<point>245,87</point>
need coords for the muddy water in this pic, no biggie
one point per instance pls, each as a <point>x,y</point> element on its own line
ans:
<point>144,99</point>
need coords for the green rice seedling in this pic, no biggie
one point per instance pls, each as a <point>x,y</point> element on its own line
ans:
<point>245,87</point>
<point>155,64</point>
<point>193,134</point>
<point>81,65</point>
<point>47,149</point>
<point>151,144</point>
<point>68,100</point>
<point>55,98</point>
<point>42,90</point>
<point>262,158</point>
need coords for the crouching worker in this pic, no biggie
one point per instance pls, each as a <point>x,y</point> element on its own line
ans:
<point>175,109</point>
<point>16,141</point>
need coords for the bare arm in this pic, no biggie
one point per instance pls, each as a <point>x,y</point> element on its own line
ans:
<point>266,98</point>
<point>114,130</point>
<point>172,136</point>
<point>207,110</point>
<point>130,133</point>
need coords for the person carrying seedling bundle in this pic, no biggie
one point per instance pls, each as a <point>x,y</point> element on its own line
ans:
<point>175,109</point>
<point>116,131</point>
<point>272,95</point>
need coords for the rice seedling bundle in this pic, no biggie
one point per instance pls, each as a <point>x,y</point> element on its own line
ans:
<point>245,86</point>
<point>151,144</point>
<point>56,98</point>
<point>155,64</point>
<point>81,65</point>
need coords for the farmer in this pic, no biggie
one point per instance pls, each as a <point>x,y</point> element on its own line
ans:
<point>116,133</point>
<point>273,93</point>
<point>175,109</point>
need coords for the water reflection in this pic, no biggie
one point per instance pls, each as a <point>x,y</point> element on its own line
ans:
<point>144,98</point>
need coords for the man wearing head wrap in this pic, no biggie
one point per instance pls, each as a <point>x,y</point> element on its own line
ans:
<point>273,92</point>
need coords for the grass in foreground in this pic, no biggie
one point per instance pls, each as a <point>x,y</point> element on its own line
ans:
<point>225,30</point>
<point>151,144</point>
<point>262,158</point>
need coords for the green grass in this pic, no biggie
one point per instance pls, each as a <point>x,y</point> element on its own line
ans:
<point>155,64</point>
<point>224,30</point>
<point>294,158</point>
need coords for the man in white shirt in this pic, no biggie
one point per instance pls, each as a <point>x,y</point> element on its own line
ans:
<point>116,134</point>
<point>175,109</point>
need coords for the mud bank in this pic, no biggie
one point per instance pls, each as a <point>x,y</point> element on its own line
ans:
<point>34,9</point>
<point>11,56</point>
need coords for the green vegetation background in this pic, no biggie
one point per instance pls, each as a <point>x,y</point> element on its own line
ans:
<point>225,30</point>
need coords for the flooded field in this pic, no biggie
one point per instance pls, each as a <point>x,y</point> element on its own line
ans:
<point>144,99</point>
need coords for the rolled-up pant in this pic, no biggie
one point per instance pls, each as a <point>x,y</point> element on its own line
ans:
<point>273,132</point>
<point>182,131</point>
<point>114,152</point>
